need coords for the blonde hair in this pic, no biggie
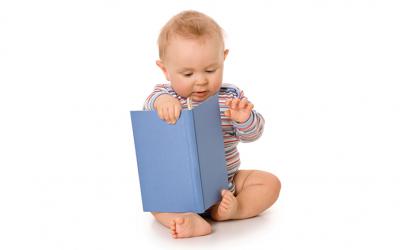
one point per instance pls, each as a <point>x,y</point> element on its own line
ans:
<point>188,24</point>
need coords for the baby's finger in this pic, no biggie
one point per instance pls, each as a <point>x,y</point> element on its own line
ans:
<point>177,110</point>
<point>227,113</point>
<point>171,115</point>
<point>165,114</point>
<point>160,114</point>
<point>228,102</point>
<point>235,103</point>
<point>243,103</point>
<point>250,106</point>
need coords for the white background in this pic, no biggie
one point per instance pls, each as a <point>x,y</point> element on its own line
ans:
<point>325,75</point>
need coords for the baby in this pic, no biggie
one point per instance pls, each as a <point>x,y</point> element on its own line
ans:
<point>192,54</point>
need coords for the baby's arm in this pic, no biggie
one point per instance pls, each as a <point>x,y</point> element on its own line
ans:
<point>168,107</point>
<point>248,124</point>
<point>252,129</point>
<point>159,89</point>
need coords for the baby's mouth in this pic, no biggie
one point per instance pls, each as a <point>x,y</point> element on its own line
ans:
<point>200,93</point>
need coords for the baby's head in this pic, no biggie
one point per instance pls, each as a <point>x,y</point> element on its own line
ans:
<point>192,54</point>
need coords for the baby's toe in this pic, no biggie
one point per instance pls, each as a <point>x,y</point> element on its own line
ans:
<point>228,197</point>
<point>179,221</point>
<point>223,207</point>
<point>227,201</point>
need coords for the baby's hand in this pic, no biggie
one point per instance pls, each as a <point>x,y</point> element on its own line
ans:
<point>239,109</point>
<point>168,108</point>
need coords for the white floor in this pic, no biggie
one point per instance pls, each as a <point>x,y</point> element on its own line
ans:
<point>84,208</point>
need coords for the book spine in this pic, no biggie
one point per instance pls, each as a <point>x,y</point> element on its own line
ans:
<point>195,166</point>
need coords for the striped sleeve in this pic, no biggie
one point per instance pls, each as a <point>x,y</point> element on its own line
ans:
<point>251,129</point>
<point>159,89</point>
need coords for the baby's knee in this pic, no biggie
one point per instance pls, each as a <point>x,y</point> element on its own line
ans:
<point>273,182</point>
<point>276,182</point>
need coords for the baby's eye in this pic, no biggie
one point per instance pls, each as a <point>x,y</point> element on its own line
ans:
<point>210,71</point>
<point>187,74</point>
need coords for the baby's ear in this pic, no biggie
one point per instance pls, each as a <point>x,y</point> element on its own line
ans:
<point>226,53</point>
<point>161,65</point>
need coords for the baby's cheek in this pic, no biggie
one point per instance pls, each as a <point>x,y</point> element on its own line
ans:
<point>182,89</point>
<point>216,86</point>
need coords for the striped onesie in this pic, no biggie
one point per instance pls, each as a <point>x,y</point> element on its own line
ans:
<point>233,132</point>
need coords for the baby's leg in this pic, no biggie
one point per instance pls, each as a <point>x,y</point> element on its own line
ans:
<point>256,191</point>
<point>184,225</point>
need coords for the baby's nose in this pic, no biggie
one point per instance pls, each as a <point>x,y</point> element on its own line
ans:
<point>201,79</point>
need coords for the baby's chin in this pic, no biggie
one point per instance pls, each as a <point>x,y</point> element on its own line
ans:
<point>199,99</point>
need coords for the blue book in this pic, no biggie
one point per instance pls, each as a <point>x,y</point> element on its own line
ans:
<point>182,166</point>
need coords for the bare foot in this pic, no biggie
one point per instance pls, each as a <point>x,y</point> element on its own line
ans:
<point>189,225</point>
<point>227,208</point>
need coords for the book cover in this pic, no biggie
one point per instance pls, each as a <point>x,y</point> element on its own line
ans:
<point>182,166</point>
